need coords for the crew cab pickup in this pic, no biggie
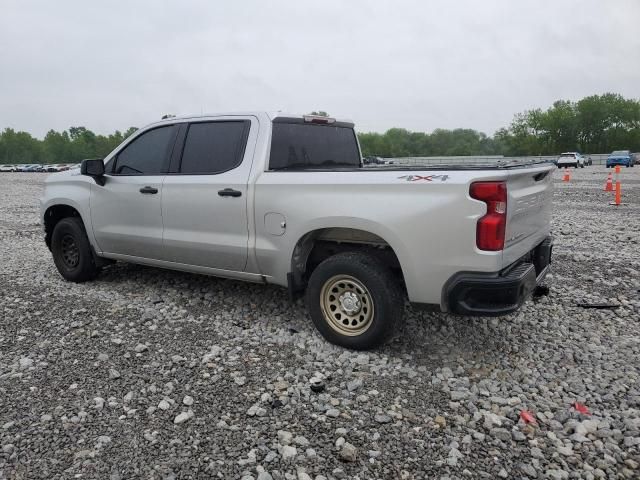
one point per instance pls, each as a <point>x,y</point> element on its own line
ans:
<point>286,200</point>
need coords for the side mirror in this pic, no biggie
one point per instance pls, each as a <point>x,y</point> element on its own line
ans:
<point>93,167</point>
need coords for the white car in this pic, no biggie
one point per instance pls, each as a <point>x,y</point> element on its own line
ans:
<point>570,159</point>
<point>7,168</point>
<point>286,200</point>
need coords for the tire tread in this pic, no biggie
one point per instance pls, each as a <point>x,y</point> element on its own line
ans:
<point>88,269</point>
<point>371,272</point>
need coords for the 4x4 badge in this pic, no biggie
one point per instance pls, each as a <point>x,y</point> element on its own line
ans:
<point>426,178</point>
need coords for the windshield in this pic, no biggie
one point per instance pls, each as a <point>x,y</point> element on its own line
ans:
<point>620,153</point>
<point>308,146</point>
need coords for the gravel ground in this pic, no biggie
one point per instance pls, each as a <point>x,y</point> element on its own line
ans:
<point>147,373</point>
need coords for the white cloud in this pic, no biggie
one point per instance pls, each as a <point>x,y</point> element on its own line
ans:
<point>413,64</point>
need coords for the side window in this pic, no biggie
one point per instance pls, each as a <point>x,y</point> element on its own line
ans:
<point>148,154</point>
<point>214,147</point>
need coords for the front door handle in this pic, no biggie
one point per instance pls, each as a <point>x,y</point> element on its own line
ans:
<point>229,192</point>
<point>148,190</point>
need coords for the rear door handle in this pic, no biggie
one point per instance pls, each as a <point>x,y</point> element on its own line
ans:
<point>148,190</point>
<point>229,192</point>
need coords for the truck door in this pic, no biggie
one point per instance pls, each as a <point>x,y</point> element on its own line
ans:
<point>204,196</point>
<point>126,211</point>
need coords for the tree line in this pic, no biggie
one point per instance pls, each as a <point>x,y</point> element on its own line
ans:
<point>68,146</point>
<point>594,124</point>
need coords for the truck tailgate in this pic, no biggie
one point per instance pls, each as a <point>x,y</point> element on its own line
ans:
<point>530,193</point>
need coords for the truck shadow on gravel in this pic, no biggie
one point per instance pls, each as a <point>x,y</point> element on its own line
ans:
<point>429,338</point>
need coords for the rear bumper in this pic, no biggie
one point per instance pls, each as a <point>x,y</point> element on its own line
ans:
<point>499,293</point>
<point>621,162</point>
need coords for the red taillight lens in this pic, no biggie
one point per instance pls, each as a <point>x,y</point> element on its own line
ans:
<point>491,227</point>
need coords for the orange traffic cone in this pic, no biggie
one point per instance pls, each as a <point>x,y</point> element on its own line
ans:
<point>608,187</point>
<point>618,193</point>
<point>618,189</point>
<point>567,176</point>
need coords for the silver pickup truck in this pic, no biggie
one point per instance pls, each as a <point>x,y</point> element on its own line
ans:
<point>286,199</point>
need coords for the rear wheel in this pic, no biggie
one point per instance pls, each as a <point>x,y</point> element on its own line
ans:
<point>72,252</point>
<point>354,300</point>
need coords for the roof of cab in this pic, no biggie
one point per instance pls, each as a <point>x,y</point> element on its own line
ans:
<point>270,115</point>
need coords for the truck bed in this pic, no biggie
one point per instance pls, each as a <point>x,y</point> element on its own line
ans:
<point>509,165</point>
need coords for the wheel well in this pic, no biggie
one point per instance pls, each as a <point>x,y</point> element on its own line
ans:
<point>53,215</point>
<point>318,245</point>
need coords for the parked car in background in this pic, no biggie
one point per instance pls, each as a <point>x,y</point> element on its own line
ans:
<point>620,157</point>
<point>570,159</point>
<point>60,167</point>
<point>7,168</point>
<point>588,161</point>
<point>373,160</point>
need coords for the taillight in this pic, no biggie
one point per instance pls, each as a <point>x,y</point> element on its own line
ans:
<point>491,227</point>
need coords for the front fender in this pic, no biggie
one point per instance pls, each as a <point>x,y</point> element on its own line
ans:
<point>72,190</point>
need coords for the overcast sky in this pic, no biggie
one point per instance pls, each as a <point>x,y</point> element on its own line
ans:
<point>418,64</point>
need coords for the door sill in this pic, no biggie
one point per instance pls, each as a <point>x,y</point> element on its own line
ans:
<point>183,267</point>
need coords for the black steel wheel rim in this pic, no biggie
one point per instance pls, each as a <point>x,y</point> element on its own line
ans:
<point>70,251</point>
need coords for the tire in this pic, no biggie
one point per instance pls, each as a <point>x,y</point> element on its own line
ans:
<point>372,291</point>
<point>71,251</point>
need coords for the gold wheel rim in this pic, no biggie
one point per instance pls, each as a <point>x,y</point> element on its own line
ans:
<point>347,305</point>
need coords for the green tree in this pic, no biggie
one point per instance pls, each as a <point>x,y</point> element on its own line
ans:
<point>19,147</point>
<point>57,147</point>
<point>595,124</point>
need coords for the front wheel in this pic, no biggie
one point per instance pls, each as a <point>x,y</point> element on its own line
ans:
<point>354,300</point>
<point>72,252</point>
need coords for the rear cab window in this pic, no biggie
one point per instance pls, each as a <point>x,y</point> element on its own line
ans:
<point>300,145</point>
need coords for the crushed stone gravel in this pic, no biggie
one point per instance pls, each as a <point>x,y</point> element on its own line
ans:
<point>145,373</point>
